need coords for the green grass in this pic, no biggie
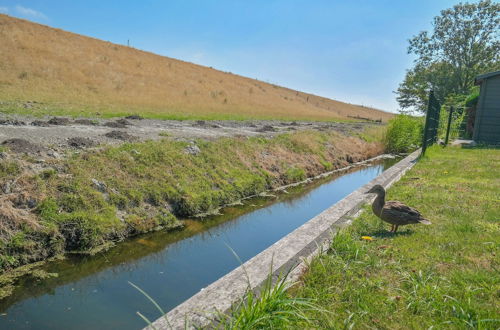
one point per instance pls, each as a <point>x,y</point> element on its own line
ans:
<point>273,308</point>
<point>445,275</point>
<point>170,114</point>
<point>8,169</point>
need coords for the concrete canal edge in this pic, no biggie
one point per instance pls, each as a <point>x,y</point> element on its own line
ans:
<point>289,253</point>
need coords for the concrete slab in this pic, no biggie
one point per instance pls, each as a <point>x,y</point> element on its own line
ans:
<point>468,143</point>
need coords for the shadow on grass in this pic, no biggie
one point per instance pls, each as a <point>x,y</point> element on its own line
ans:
<point>383,233</point>
<point>481,146</point>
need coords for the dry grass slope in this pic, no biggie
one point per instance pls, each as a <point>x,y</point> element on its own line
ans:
<point>78,75</point>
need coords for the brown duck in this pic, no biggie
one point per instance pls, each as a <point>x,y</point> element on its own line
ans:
<point>394,212</point>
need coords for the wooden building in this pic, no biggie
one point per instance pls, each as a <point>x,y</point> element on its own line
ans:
<point>487,121</point>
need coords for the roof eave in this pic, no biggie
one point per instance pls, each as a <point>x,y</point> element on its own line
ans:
<point>479,79</point>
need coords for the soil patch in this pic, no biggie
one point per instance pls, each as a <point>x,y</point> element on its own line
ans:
<point>134,117</point>
<point>39,123</point>
<point>123,121</point>
<point>79,142</point>
<point>120,123</point>
<point>120,135</point>
<point>114,124</point>
<point>12,122</point>
<point>58,121</point>
<point>85,122</point>
<point>22,146</point>
<point>205,124</point>
<point>266,128</point>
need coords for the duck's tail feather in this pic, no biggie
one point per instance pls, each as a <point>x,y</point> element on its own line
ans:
<point>425,221</point>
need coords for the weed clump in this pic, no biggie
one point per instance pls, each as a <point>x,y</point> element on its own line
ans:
<point>404,134</point>
<point>294,174</point>
<point>9,169</point>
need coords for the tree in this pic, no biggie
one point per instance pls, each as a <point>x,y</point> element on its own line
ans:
<point>465,42</point>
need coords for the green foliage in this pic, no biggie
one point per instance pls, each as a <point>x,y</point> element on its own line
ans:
<point>84,231</point>
<point>17,240</point>
<point>413,92</point>
<point>472,99</point>
<point>48,210</point>
<point>373,133</point>
<point>9,169</point>
<point>327,165</point>
<point>48,173</point>
<point>21,247</point>
<point>464,43</point>
<point>404,134</point>
<point>273,308</point>
<point>83,225</point>
<point>142,221</point>
<point>461,111</point>
<point>294,174</point>
<point>458,122</point>
<point>455,100</point>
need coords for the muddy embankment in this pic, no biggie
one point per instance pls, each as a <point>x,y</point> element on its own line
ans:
<point>66,189</point>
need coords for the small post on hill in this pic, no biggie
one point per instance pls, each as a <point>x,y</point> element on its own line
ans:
<point>448,127</point>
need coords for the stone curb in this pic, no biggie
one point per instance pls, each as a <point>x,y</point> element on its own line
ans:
<point>288,255</point>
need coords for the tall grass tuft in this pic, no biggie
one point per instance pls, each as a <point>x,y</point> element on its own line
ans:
<point>404,134</point>
<point>274,308</point>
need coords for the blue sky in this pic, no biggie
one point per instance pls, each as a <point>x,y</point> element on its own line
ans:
<point>353,51</point>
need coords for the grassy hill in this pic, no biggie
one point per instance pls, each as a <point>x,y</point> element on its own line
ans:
<point>49,71</point>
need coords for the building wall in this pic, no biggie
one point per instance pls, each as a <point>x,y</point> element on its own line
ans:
<point>487,125</point>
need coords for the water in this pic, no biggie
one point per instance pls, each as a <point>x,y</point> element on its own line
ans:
<point>93,292</point>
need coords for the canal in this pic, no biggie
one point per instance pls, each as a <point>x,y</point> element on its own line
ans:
<point>92,292</point>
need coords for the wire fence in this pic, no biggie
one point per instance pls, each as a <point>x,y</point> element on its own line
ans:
<point>455,123</point>
<point>446,123</point>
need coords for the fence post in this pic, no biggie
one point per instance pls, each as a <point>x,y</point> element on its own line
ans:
<point>427,120</point>
<point>448,128</point>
